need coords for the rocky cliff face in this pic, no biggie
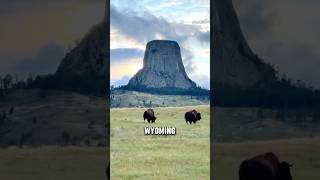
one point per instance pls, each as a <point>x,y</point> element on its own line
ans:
<point>89,57</point>
<point>234,63</point>
<point>86,67</point>
<point>162,67</point>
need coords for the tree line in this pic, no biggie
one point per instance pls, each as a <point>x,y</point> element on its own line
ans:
<point>88,85</point>
<point>280,94</point>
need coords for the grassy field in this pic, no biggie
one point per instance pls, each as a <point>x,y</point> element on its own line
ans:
<point>304,153</point>
<point>122,98</point>
<point>53,163</point>
<point>46,115</point>
<point>136,156</point>
<point>253,124</point>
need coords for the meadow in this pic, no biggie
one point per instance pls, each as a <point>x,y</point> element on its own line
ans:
<point>138,156</point>
<point>237,134</point>
<point>303,153</point>
<point>166,162</point>
<point>52,163</point>
<point>52,118</point>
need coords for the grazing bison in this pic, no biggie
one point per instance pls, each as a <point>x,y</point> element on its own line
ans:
<point>149,115</point>
<point>192,116</point>
<point>264,167</point>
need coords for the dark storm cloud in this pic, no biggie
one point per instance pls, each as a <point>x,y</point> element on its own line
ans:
<point>121,54</point>
<point>285,34</point>
<point>45,61</point>
<point>256,17</point>
<point>33,32</point>
<point>296,60</point>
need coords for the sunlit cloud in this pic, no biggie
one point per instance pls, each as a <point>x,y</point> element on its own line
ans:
<point>126,68</point>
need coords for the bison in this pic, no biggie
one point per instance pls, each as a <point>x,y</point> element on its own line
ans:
<point>264,167</point>
<point>149,115</point>
<point>192,116</point>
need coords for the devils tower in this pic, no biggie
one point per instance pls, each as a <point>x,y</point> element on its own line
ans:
<point>162,67</point>
<point>85,68</point>
<point>233,61</point>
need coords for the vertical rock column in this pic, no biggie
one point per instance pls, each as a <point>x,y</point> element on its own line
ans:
<point>162,67</point>
<point>234,63</point>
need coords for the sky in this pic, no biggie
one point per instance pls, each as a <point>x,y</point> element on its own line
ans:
<point>36,34</point>
<point>136,22</point>
<point>284,33</point>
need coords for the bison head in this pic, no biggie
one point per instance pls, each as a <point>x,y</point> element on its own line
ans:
<point>198,116</point>
<point>284,171</point>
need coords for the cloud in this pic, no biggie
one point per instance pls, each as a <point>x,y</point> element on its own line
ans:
<point>149,27</point>
<point>28,26</point>
<point>281,36</point>
<point>22,6</point>
<point>256,17</point>
<point>203,80</point>
<point>123,54</point>
<point>45,61</point>
<point>123,81</point>
<point>133,27</point>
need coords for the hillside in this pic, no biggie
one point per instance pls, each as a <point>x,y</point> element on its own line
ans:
<point>125,98</point>
<point>255,124</point>
<point>39,117</point>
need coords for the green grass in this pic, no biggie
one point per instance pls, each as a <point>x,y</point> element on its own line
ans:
<point>244,124</point>
<point>304,153</point>
<point>53,163</point>
<point>136,156</point>
<point>121,98</point>
<point>58,111</point>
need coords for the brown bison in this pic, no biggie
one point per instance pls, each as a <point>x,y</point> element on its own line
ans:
<point>149,115</point>
<point>192,116</point>
<point>264,167</point>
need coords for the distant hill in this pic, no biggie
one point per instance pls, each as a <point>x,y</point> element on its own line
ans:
<point>126,98</point>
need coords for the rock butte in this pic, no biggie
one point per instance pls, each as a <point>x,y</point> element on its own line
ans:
<point>233,62</point>
<point>162,67</point>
